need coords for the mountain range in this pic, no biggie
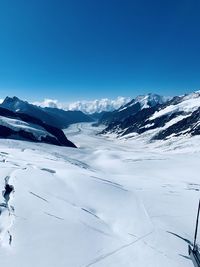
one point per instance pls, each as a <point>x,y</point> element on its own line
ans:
<point>156,115</point>
<point>162,118</point>
<point>131,108</point>
<point>52,116</point>
<point>86,106</point>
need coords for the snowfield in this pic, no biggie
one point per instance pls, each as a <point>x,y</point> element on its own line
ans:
<point>109,203</point>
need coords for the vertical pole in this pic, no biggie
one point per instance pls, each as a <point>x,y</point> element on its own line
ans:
<point>196,229</point>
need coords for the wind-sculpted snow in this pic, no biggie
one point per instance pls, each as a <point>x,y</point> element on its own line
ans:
<point>109,203</point>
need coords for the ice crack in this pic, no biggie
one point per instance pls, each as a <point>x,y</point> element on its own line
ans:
<point>6,214</point>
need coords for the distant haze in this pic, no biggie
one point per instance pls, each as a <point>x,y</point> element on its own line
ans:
<point>92,106</point>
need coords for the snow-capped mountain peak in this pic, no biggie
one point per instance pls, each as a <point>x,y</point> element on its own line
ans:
<point>14,103</point>
<point>145,101</point>
<point>87,106</point>
<point>98,105</point>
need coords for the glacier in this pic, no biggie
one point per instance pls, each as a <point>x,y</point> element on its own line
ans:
<point>111,202</point>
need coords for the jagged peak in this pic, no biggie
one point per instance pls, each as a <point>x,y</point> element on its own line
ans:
<point>145,101</point>
<point>11,99</point>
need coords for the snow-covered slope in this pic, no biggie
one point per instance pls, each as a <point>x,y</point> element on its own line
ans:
<point>110,203</point>
<point>22,126</point>
<point>145,101</point>
<point>178,116</point>
<point>187,104</point>
<point>18,125</point>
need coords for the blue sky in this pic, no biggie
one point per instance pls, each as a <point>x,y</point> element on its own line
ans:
<point>86,49</point>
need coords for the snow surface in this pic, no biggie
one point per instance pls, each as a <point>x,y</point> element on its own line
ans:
<point>110,203</point>
<point>190,103</point>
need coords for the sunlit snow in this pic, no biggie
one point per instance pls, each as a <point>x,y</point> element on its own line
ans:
<point>109,203</point>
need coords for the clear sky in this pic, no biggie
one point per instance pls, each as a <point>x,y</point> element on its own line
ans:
<point>85,49</point>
